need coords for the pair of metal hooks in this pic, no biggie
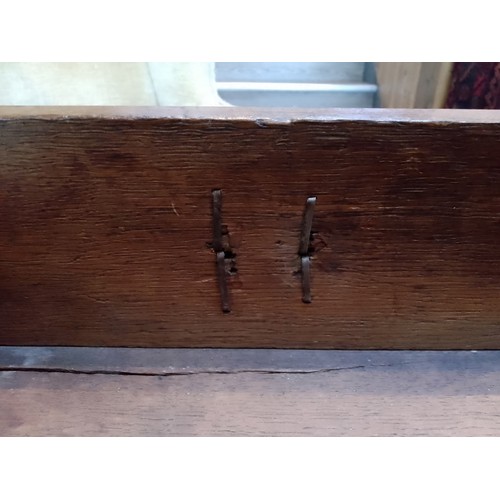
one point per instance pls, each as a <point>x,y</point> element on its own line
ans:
<point>221,252</point>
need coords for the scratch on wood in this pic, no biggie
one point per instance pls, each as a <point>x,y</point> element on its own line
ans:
<point>183,373</point>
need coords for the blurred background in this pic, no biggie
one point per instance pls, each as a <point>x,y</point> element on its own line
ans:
<point>268,84</point>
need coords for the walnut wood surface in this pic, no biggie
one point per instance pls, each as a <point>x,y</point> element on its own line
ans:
<point>106,229</point>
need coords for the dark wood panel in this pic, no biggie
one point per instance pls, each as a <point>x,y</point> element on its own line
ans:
<point>106,229</point>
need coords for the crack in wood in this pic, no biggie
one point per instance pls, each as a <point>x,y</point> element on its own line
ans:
<point>80,371</point>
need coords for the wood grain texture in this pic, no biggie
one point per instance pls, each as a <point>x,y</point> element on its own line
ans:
<point>413,84</point>
<point>248,393</point>
<point>106,228</point>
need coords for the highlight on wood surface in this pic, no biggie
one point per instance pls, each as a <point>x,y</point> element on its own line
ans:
<point>112,220</point>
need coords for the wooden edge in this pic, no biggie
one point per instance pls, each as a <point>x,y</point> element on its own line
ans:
<point>262,116</point>
<point>170,361</point>
<point>370,397</point>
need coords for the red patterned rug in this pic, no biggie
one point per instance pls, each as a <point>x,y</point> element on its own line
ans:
<point>474,86</point>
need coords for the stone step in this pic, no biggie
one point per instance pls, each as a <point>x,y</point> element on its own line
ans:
<point>340,85</point>
<point>358,95</point>
<point>297,72</point>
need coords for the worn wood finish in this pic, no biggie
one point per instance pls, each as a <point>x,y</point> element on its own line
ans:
<point>248,393</point>
<point>153,361</point>
<point>106,228</point>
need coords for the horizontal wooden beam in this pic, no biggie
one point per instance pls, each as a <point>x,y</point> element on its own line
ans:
<point>246,392</point>
<point>258,115</point>
<point>110,235</point>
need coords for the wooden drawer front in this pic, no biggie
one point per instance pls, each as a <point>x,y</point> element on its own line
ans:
<point>107,236</point>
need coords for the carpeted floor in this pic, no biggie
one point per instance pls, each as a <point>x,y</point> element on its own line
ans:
<point>474,86</point>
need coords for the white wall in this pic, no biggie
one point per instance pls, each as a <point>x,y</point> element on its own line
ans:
<point>114,84</point>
